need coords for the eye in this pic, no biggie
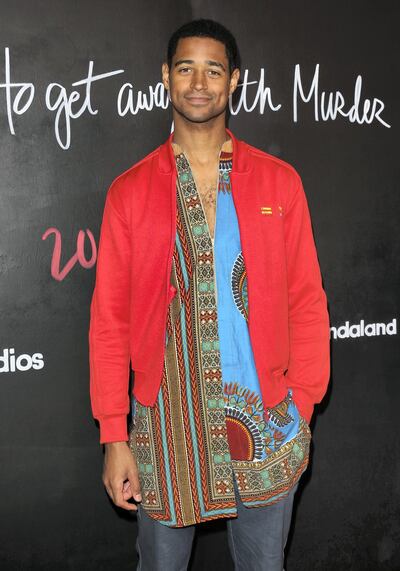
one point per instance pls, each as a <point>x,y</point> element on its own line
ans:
<point>184,69</point>
<point>214,72</point>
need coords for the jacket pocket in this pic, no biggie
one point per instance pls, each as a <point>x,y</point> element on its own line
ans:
<point>278,372</point>
<point>278,376</point>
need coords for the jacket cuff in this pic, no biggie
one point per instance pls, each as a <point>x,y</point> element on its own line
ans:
<point>113,428</point>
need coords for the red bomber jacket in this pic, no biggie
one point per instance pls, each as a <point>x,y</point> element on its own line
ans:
<point>288,319</point>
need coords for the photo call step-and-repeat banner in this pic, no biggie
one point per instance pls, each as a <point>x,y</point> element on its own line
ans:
<point>81,100</point>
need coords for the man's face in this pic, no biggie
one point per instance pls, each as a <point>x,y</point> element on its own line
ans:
<point>199,81</point>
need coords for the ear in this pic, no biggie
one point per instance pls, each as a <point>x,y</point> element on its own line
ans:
<point>165,75</point>
<point>234,80</point>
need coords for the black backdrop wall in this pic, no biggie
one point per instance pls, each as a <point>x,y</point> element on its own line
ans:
<point>320,90</point>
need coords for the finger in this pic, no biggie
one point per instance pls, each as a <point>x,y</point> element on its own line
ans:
<point>109,490</point>
<point>135,487</point>
<point>119,499</point>
<point>127,491</point>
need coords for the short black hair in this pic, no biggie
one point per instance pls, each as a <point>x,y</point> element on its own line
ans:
<point>204,28</point>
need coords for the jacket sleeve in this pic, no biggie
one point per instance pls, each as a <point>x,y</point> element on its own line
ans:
<point>309,359</point>
<point>109,348</point>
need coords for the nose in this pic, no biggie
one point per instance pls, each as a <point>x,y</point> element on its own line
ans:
<point>199,80</point>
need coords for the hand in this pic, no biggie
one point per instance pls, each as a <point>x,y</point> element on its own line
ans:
<point>120,475</point>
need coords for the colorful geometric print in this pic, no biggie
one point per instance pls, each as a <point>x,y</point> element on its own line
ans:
<point>239,286</point>
<point>225,167</point>
<point>181,444</point>
<point>267,481</point>
<point>208,424</point>
<point>249,423</point>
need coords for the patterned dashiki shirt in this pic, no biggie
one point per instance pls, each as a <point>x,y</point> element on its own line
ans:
<point>208,425</point>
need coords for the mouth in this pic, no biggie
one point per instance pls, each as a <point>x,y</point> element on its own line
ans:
<point>198,100</point>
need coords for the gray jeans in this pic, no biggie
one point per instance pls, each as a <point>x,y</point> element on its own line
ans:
<point>256,538</point>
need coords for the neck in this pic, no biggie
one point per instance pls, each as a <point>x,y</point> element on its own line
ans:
<point>202,141</point>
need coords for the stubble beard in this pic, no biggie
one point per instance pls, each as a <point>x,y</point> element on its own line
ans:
<point>190,118</point>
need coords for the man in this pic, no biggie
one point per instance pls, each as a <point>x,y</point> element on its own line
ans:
<point>208,282</point>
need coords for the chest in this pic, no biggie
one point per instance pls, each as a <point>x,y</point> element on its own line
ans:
<point>207,180</point>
